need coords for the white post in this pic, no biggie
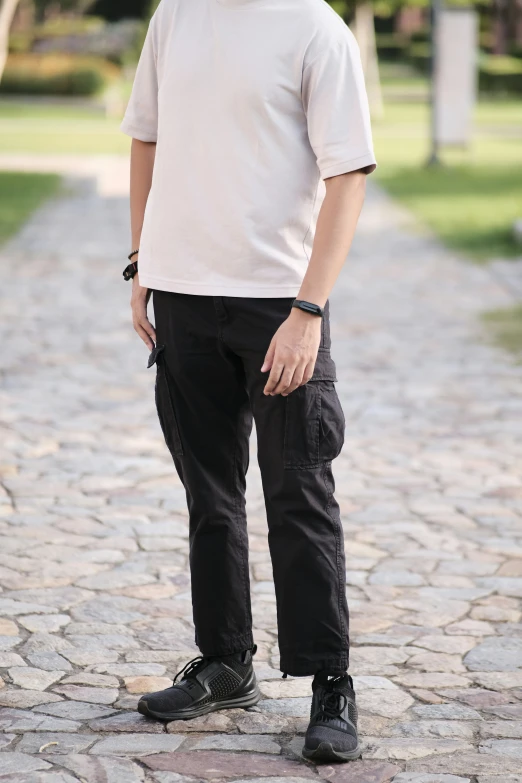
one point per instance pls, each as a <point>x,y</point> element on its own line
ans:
<point>455,76</point>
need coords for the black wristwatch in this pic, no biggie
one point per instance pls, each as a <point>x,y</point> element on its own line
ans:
<point>308,307</point>
<point>130,271</point>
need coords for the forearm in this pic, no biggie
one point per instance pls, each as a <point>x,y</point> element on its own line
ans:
<point>335,230</point>
<point>142,165</point>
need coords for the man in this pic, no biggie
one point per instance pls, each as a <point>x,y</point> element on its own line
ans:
<point>251,141</point>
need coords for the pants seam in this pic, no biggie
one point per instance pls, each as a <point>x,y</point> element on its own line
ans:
<point>241,531</point>
<point>336,525</point>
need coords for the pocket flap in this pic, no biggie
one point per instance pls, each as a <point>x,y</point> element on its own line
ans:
<point>324,369</point>
<point>154,355</point>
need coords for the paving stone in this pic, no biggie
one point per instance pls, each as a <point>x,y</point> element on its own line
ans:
<point>280,689</point>
<point>16,763</point>
<point>505,585</point>
<point>22,720</point>
<point>466,763</point>
<point>96,680</point>
<point>44,623</point>
<point>436,662</point>
<point>457,645</point>
<point>451,711</point>
<point>297,707</point>
<point>53,776</point>
<point>15,697</point>
<point>221,721</point>
<point>503,747</point>
<point>6,740</point>
<point>8,642</point>
<point>259,743</point>
<point>405,749</point>
<point>508,712</point>
<point>50,661</point>
<point>10,659</point>
<point>62,743</point>
<point>147,684</point>
<point>495,654</point>
<point>97,769</point>
<point>213,764</point>
<point>463,730</point>
<point>498,681</point>
<point>499,779</point>
<point>359,772</point>
<point>94,695</point>
<point>414,777</point>
<point>131,669</point>
<point>8,627</point>
<point>171,777</point>
<point>74,710</point>
<point>509,729</point>
<point>33,679</point>
<point>476,697</point>
<point>128,721</point>
<point>387,703</point>
<point>431,680</point>
<point>137,745</point>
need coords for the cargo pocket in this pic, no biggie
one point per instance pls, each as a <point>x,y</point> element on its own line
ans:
<point>314,421</point>
<point>164,404</point>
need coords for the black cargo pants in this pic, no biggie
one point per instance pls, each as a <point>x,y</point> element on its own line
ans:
<point>209,353</point>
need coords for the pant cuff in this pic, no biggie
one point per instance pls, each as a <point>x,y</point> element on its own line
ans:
<point>299,667</point>
<point>220,647</point>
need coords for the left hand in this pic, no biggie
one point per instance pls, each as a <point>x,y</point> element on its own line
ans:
<point>292,353</point>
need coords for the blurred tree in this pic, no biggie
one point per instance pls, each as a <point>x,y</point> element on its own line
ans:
<point>7,12</point>
<point>113,10</point>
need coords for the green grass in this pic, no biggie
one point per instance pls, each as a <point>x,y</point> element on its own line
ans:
<point>57,129</point>
<point>506,327</point>
<point>20,195</point>
<point>472,200</point>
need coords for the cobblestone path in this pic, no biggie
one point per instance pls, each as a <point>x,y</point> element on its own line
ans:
<point>94,595</point>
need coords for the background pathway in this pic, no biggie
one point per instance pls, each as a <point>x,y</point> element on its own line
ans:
<point>94,596</point>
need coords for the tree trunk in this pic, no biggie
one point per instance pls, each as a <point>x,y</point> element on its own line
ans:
<point>364,31</point>
<point>500,31</point>
<point>7,12</point>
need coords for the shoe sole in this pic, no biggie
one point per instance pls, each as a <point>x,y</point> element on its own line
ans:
<point>247,700</point>
<point>326,752</point>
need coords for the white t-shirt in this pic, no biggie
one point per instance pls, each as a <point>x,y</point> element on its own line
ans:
<point>252,103</point>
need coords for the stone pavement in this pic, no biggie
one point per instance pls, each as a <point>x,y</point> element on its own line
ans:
<point>94,595</point>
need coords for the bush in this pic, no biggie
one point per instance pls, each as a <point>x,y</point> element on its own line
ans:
<point>391,48</point>
<point>419,55</point>
<point>32,74</point>
<point>499,74</point>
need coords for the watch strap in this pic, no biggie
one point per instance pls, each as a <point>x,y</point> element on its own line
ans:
<point>308,307</point>
<point>130,271</point>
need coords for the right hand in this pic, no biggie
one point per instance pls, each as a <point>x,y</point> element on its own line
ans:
<point>139,300</point>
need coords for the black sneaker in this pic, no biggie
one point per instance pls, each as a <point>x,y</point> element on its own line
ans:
<point>332,732</point>
<point>207,684</point>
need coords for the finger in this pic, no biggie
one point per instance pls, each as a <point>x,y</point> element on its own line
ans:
<point>144,336</point>
<point>284,381</point>
<point>308,373</point>
<point>296,380</point>
<point>149,328</point>
<point>269,358</point>
<point>273,378</point>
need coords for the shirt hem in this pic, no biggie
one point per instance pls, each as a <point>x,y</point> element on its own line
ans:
<point>209,289</point>
<point>136,132</point>
<point>344,167</point>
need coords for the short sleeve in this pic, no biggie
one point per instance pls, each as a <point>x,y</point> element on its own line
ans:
<point>141,117</point>
<point>336,106</point>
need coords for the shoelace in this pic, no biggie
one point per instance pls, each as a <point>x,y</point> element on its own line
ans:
<point>191,666</point>
<point>332,703</point>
